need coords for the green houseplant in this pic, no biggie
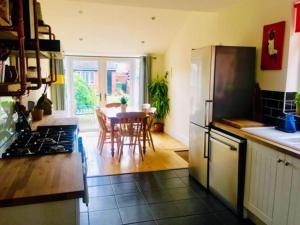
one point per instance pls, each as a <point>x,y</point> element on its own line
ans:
<point>123,101</point>
<point>158,93</point>
<point>297,102</point>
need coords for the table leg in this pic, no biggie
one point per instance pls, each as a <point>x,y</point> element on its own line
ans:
<point>144,136</point>
<point>112,123</point>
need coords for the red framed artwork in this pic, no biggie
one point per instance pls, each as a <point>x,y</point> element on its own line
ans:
<point>272,46</point>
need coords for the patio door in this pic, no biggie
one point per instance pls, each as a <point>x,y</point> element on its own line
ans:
<point>96,81</point>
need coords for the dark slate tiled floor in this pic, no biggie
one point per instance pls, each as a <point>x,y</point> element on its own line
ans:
<point>157,198</point>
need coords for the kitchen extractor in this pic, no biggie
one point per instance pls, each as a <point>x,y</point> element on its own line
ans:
<point>222,84</point>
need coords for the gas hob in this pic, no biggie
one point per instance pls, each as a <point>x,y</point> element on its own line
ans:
<point>44,141</point>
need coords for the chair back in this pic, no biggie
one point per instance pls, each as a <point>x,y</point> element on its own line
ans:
<point>113,105</point>
<point>150,120</point>
<point>101,120</point>
<point>131,122</point>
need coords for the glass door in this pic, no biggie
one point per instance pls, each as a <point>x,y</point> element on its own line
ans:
<point>85,90</point>
<point>96,81</point>
<point>122,79</point>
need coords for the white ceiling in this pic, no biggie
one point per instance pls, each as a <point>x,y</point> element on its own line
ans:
<point>115,30</point>
<point>192,5</point>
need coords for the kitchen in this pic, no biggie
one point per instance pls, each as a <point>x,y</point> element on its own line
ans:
<point>237,24</point>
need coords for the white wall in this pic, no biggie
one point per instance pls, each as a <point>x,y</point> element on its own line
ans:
<point>240,24</point>
<point>199,30</point>
<point>157,65</point>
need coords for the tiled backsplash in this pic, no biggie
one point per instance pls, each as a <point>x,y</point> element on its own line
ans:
<point>8,119</point>
<point>275,103</point>
<point>290,106</point>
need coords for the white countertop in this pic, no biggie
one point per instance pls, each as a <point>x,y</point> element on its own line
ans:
<point>289,139</point>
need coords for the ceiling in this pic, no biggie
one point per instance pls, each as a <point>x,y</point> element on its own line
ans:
<point>89,27</point>
<point>192,5</point>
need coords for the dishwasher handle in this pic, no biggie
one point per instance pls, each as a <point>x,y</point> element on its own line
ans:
<point>224,143</point>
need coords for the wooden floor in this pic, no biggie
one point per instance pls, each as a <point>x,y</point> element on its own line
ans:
<point>164,158</point>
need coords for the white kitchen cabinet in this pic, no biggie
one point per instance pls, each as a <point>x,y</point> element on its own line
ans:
<point>294,206</point>
<point>282,193</point>
<point>263,166</point>
<point>273,185</point>
<point>65,212</point>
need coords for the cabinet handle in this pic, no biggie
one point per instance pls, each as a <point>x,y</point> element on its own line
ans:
<point>279,160</point>
<point>287,164</point>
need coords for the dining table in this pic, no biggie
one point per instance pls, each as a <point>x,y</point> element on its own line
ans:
<point>111,115</point>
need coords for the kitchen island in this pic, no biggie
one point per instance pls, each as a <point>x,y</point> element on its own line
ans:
<point>42,190</point>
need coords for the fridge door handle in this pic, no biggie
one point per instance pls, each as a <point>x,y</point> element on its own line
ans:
<point>205,154</point>
<point>205,112</point>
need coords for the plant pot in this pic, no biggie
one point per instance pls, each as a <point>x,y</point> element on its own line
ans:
<point>297,109</point>
<point>157,127</point>
<point>123,107</point>
<point>37,114</point>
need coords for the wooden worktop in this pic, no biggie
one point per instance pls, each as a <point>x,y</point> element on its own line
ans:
<point>279,147</point>
<point>55,120</point>
<point>35,179</point>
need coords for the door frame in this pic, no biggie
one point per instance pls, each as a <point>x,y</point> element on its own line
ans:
<point>102,73</point>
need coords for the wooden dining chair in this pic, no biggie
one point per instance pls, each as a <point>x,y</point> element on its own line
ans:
<point>150,120</point>
<point>130,127</point>
<point>113,105</point>
<point>105,132</point>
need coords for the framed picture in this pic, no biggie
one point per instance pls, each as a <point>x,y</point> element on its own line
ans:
<point>272,46</point>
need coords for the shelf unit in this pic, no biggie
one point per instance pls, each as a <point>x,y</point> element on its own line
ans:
<point>23,48</point>
<point>16,32</point>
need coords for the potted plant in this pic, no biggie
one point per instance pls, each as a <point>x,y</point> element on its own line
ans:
<point>158,93</point>
<point>123,101</point>
<point>297,102</point>
<point>38,110</point>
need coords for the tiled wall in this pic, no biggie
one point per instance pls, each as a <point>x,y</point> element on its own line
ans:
<point>290,106</point>
<point>275,103</point>
<point>272,106</point>
<point>8,119</point>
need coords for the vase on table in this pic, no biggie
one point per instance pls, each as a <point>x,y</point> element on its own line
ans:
<point>123,107</point>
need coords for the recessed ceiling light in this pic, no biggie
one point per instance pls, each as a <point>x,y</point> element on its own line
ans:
<point>153,18</point>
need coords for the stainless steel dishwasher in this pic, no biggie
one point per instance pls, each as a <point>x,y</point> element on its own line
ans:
<point>227,159</point>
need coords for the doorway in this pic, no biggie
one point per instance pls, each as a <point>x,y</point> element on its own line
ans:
<point>96,81</point>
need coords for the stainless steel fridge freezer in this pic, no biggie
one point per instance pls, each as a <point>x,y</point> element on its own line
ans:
<point>221,86</point>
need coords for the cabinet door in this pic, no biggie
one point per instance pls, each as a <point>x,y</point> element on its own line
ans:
<point>282,193</point>
<point>262,181</point>
<point>294,208</point>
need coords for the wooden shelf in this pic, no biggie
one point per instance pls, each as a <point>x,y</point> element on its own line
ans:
<point>11,87</point>
<point>43,29</point>
<point>9,35</point>
<point>31,54</point>
<point>48,48</point>
<point>35,80</point>
<point>4,22</point>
